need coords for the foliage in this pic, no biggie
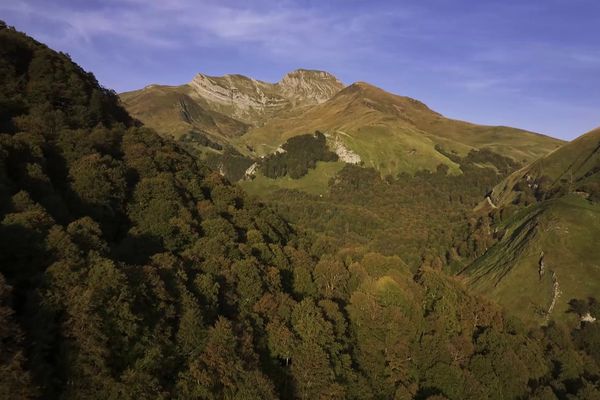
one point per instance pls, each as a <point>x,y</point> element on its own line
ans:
<point>232,164</point>
<point>297,156</point>
<point>420,218</point>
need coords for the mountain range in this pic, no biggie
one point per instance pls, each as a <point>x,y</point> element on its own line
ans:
<point>390,133</point>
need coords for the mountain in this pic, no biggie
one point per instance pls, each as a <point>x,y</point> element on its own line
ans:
<point>396,134</point>
<point>549,223</point>
<point>227,106</point>
<point>390,133</point>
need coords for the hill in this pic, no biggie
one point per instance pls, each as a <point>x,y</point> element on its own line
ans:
<point>574,167</point>
<point>227,106</point>
<point>396,134</point>
<point>548,217</point>
<point>129,270</point>
<point>387,132</point>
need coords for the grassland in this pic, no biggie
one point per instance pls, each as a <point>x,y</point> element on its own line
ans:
<point>315,182</point>
<point>565,231</point>
<point>391,133</point>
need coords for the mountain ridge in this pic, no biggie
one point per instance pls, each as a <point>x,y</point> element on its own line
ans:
<point>249,100</point>
<point>389,132</point>
<point>546,215</point>
<point>394,133</point>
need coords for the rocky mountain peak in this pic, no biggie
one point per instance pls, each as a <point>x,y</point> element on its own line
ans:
<point>251,100</point>
<point>305,87</point>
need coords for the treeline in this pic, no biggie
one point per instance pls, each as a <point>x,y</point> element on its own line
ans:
<point>129,270</point>
<point>294,158</point>
<point>200,139</point>
<point>482,157</point>
<point>297,156</point>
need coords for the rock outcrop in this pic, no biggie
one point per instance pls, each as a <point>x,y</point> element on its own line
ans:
<point>309,87</point>
<point>588,318</point>
<point>344,154</point>
<point>252,101</point>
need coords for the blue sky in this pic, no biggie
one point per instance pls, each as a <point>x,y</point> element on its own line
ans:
<point>533,64</point>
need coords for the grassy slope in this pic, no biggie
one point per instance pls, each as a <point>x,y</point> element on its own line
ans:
<point>571,162</point>
<point>315,182</point>
<point>391,133</point>
<point>396,134</point>
<point>172,111</point>
<point>566,230</point>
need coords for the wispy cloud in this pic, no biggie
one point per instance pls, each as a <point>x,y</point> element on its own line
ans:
<point>280,29</point>
<point>455,55</point>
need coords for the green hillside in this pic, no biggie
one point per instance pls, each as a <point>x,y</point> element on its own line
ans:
<point>559,234</point>
<point>574,167</point>
<point>396,134</point>
<point>549,207</point>
<point>423,218</point>
<point>172,111</point>
<point>390,133</point>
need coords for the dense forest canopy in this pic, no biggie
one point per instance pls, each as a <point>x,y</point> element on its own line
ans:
<point>130,270</point>
<point>297,155</point>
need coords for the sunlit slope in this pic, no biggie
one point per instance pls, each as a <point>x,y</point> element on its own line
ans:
<point>554,229</point>
<point>396,134</point>
<point>315,182</point>
<point>548,256</point>
<point>390,133</point>
<point>572,167</point>
<point>172,111</point>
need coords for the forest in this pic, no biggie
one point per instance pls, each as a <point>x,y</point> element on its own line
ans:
<point>129,269</point>
<point>296,156</point>
<point>425,219</point>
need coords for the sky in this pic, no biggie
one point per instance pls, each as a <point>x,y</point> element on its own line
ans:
<point>532,64</point>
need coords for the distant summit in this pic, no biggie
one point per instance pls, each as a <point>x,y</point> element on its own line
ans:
<point>251,100</point>
<point>388,132</point>
<point>306,87</point>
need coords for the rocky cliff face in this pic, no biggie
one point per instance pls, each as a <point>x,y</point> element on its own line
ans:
<point>309,87</point>
<point>252,101</point>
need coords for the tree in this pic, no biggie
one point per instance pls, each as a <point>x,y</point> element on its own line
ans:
<point>15,381</point>
<point>98,183</point>
<point>331,277</point>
